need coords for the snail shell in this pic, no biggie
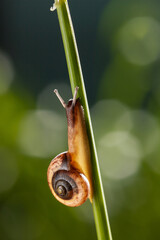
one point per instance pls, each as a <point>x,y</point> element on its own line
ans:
<point>67,184</point>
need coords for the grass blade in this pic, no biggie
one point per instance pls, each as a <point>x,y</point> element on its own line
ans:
<point>76,79</point>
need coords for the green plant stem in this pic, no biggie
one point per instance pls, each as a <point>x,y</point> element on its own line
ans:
<point>76,79</point>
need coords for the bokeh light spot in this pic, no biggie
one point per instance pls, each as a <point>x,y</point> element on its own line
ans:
<point>124,138</point>
<point>42,133</point>
<point>110,114</point>
<point>139,40</point>
<point>146,129</point>
<point>120,154</point>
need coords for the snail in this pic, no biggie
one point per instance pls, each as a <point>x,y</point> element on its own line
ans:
<point>69,173</point>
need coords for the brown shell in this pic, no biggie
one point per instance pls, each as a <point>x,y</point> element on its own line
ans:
<point>81,193</point>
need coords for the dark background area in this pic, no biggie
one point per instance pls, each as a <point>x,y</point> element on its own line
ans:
<point>31,36</point>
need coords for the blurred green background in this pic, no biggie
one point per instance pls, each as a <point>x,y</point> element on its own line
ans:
<point>119,45</point>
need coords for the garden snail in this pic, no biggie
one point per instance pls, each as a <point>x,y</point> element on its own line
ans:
<point>69,173</point>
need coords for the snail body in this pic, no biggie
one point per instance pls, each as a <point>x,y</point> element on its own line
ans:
<point>69,173</point>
